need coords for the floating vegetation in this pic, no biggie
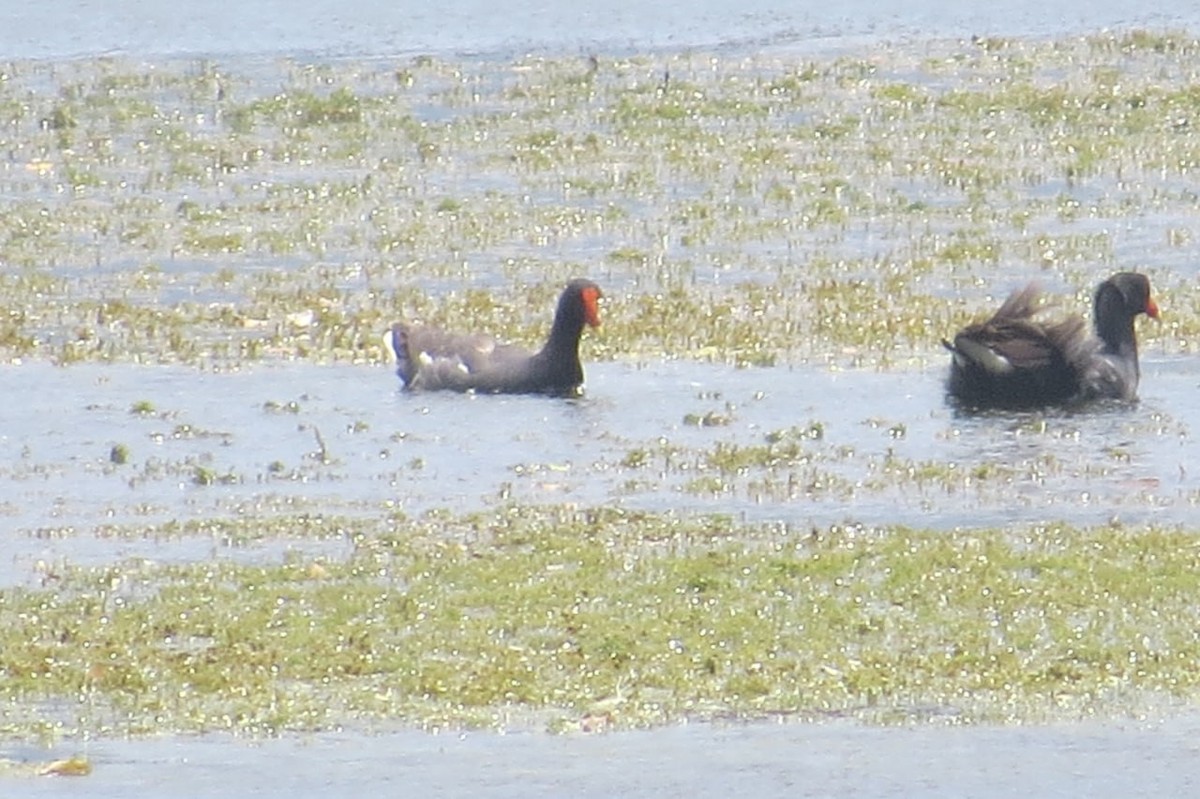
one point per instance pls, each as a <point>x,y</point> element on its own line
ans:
<point>709,418</point>
<point>748,210</point>
<point>75,766</point>
<point>555,614</point>
<point>755,211</point>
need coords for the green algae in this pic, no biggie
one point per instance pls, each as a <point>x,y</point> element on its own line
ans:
<point>753,210</point>
<point>565,617</point>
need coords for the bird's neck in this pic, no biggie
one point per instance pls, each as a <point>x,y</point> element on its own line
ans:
<point>564,334</point>
<point>1114,325</point>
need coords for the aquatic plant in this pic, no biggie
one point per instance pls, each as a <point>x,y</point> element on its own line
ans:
<point>569,617</point>
<point>751,210</point>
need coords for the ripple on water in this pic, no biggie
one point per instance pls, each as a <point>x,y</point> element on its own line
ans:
<point>803,446</point>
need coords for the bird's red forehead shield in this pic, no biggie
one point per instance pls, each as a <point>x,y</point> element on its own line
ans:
<point>591,306</point>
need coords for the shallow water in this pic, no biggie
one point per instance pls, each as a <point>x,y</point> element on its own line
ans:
<point>815,760</point>
<point>849,447</point>
<point>59,28</point>
<point>343,440</point>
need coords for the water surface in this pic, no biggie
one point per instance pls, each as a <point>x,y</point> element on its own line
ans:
<point>1136,758</point>
<point>821,447</point>
<point>66,28</point>
<point>802,445</point>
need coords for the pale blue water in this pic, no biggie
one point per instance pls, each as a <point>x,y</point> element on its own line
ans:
<point>723,760</point>
<point>256,432</point>
<point>62,484</point>
<point>150,28</point>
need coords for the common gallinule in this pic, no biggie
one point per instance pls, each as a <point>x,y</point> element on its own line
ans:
<point>429,359</point>
<point>1014,360</point>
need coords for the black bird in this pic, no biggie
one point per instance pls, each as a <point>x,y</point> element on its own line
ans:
<point>428,358</point>
<point>1014,360</point>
